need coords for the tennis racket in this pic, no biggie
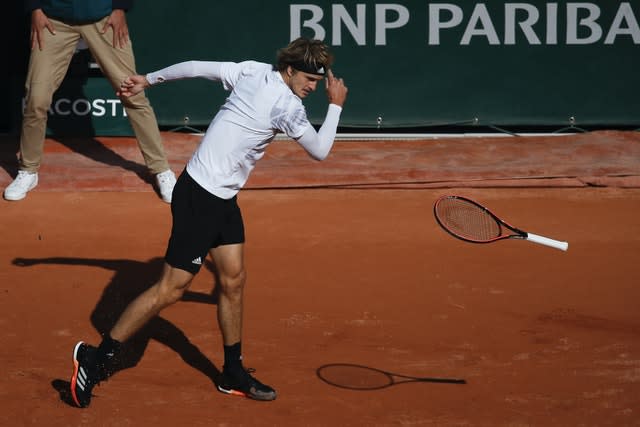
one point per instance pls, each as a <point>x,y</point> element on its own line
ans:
<point>470,221</point>
<point>359,377</point>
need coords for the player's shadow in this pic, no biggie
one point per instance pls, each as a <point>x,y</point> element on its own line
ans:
<point>130,279</point>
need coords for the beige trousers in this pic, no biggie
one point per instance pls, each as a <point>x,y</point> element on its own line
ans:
<point>47,69</point>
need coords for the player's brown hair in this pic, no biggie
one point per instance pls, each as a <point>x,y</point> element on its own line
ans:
<point>308,55</point>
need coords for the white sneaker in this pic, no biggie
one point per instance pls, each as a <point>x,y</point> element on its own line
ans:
<point>24,182</point>
<point>166,181</point>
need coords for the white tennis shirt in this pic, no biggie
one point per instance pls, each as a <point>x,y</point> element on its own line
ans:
<point>259,106</point>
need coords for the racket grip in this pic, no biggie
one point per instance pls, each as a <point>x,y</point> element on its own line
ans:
<point>563,246</point>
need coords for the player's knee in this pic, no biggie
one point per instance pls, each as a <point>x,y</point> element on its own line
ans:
<point>174,296</point>
<point>170,293</point>
<point>233,285</point>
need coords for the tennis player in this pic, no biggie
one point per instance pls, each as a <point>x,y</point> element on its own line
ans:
<point>264,100</point>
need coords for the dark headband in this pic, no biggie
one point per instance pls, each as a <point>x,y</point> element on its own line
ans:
<point>318,70</point>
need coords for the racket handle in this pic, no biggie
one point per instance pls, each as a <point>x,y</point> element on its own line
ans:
<point>563,246</point>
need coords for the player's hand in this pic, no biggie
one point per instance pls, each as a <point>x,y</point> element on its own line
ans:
<point>118,21</point>
<point>336,90</point>
<point>132,85</point>
<point>39,22</point>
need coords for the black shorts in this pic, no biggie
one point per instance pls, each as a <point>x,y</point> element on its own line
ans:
<point>201,221</point>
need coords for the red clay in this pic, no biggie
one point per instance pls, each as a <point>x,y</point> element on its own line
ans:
<point>361,276</point>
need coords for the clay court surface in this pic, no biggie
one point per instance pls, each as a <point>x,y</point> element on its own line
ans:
<point>345,265</point>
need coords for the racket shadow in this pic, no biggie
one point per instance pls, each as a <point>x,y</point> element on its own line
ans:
<point>365,378</point>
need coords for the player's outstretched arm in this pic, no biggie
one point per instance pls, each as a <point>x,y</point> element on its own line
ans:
<point>211,70</point>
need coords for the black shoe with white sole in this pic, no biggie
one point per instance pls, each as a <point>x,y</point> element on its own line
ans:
<point>241,383</point>
<point>86,373</point>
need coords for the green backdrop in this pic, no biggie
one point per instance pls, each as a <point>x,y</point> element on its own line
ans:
<point>407,64</point>
<point>407,81</point>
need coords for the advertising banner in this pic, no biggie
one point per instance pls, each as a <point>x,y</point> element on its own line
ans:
<point>407,64</point>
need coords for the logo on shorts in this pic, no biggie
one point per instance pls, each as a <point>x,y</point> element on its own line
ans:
<point>197,261</point>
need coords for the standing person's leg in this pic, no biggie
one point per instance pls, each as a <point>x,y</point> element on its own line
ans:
<point>47,69</point>
<point>116,64</point>
<point>229,261</point>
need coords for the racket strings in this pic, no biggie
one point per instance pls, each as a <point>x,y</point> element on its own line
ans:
<point>467,220</point>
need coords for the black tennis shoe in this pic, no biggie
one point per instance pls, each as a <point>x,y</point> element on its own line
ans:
<point>86,374</point>
<point>241,383</point>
